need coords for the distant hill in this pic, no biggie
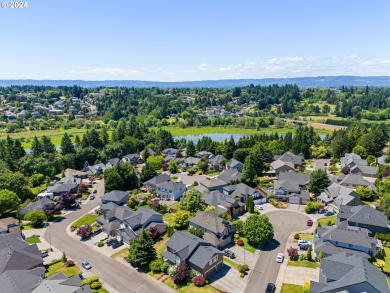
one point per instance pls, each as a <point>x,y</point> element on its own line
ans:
<point>319,81</point>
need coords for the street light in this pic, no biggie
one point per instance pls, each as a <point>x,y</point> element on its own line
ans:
<point>50,238</point>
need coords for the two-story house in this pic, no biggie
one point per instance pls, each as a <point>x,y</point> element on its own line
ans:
<point>234,164</point>
<point>170,152</point>
<point>336,196</point>
<point>224,203</point>
<point>241,191</point>
<point>134,159</point>
<point>151,184</point>
<point>198,254</point>
<point>118,197</point>
<point>290,187</point>
<point>218,231</point>
<point>170,190</point>
<point>189,162</point>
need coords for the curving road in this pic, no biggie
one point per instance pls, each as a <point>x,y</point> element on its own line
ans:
<point>266,269</point>
<point>119,278</point>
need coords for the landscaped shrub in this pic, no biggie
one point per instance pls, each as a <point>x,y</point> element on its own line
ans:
<point>240,242</point>
<point>100,244</point>
<point>383,237</point>
<point>242,275</point>
<point>236,236</point>
<point>96,285</point>
<point>155,266</point>
<point>69,263</point>
<point>164,267</point>
<point>243,268</point>
<point>297,237</point>
<point>199,281</point>
<point>90,280</point>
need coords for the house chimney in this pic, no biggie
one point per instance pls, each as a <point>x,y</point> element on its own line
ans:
<point>10,250</point>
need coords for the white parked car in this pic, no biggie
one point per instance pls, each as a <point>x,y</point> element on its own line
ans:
<point>259,207</point>
<point>304,242</point>
<point>280,257</point>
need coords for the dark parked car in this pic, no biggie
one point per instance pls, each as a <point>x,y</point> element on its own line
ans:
<point>44,253</point>
<point>309,222</point>
<point>270,288</point>
<point>229,253</point>
<point>115,244</point>
<point>328,213</point>
<point>110,241</point>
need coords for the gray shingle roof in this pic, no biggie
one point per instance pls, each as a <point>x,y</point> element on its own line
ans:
<point>357,179</point>
<point>36,205</point>
<point>217,160</point>
<point>290,157</point>
<point>363,214</point>
<point>210,221</point>
<point>234,164</point>
<point>240,190</point>
<point>184,244</point>
<point>20,281</point>
<point>230,175</point>
<point>171,185</point>
<point>115,195</point>
<point>158,179</point>
<point>338,193</point>
<point>344,271</point>
<point>202,255</point>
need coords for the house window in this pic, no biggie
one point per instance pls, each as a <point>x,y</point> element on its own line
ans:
<point>213,260</point>
<point>350,245</point>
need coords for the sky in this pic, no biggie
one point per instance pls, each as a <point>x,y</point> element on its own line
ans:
<point>186,40</point>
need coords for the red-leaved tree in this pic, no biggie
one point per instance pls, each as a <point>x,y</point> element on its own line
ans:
<point>292,253</point>
<point>181,273</point>
<point>154,232</point>
<point>84,231</point>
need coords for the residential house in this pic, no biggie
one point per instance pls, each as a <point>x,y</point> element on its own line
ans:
<point>69,180</point>
<point>150,152</point>
<point>241,191</point>
<point>111,163</point>
<point>183,247</point>
<point>116,196</point>
<point>21,281</point>
<point>224,203</point>
<point>170,190</point>
<point>96,169</point>
<point>75,173</point>
<point>365,217</point>
<point>190,162</point>
<point>15,254</point>
<point>278,166</point>
<point>218,231</point>
<point>36,205</point>
<point>169,158</point>
<point>59,283</point>
<point>234,164</point>
<point>134,159</point>
<point>59,189</point>
<point>9,225</point>
<point>151,184</point>
<point>289,187</point>
<point>355,180</point>
<point>349,273</point>
<point>207,185</point>
<point>297,161</point>
<point>170,152</point>
<point>357,165</point>
<point>112,217</point>
<point>216,162</point>
<point>348,237</point>
<point>337,195</point>
<point>230,175</point>
<point>205,155</point>
<point>382,160</point>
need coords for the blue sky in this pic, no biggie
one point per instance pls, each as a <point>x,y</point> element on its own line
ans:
<point>194,40</point>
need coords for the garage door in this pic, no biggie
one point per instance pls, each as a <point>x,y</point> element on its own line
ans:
<point>294,200</point>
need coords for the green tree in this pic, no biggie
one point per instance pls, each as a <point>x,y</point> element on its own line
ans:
<point>172,167</point>
<point>239,224</point>
<point>365,193</point>
<point>256,157</point>
<point>190,151</point>
<point>181,220</point>
<point>142,251</point>
<point>210,208</point>
<point>9,201</point>
<point>47,145</point>
<point>308,254</point>
<point>170,230</point>
<point>226,216</point>
<point>258,229</point>
<point>371,160</point>
<point>104,136</point>
<point>361,151</point>
<point>197,232</point>
<point>318,151</point>
<point>155,161</point>
<point>203,166</point>
<point>35,217</point>
<point>250,205</point>
<point>382,186</point>
<point>320,255</point>
<point>192,201</point>
<point>249,175</point>
<point>66,145</point>
<point>148,172</point>
<point>128,175</point>
<point>16,182</point>
<point>319,181</point>
<point>113,180</point>
<point>36,147</point>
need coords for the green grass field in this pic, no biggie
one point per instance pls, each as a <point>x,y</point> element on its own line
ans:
<point>231,262</point>
<point>291,288</point>
<point>247,246</point>
<point>386,268</point>
<point>190,287</point>
<point>325,220</point>
<point>33,239</point>
<point>168,218</point>
<point>304,263</point>
<point>61,267</point>
<point>85,220</point>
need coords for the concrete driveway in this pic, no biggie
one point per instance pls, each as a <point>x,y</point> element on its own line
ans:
<point>243,256</point>
<point>266,269</point>
<point>228,280</point>
<point>298,275</point>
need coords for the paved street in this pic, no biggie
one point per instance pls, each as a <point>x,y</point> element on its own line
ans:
<point>266,270</point>
<point>115,275</point>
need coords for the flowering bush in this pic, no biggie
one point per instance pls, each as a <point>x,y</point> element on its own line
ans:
<point>199,281</point>
<point>69,263</point>
<point>240,242</point>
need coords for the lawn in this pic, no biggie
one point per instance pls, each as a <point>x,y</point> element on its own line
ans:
<point>190,287</point>
<point>85,220</point>
<point>60,267</point>
<point>160,245</point>
<point>176,206</point>
<point>33,239</point>
<point>122,253</point>
<point>324,221</point>
<point>168,218</point>
<point>386,268</point>
<point>101,290</point>
<point>231,262</point>
<point>305,236</point>
<point>247,246</point>
<point>291,288</point>
<point>304,263</point>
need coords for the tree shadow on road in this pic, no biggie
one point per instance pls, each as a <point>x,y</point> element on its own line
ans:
<point>270,245</point>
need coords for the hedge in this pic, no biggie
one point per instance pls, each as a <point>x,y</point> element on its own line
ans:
<point>382,237</point>
<point>54,261</point>
<point>90,280</point>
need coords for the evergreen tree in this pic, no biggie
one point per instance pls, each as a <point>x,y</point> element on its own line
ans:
<point>142,250</point>
<point>105,136</point>
<point>249,175</point>
<point>36,147</point>
<point>47,145</point>
<point>319,181</point>
<point>147,172</point>
<point>77,141</point>
<point>66,145</point>
<point>190,149</point>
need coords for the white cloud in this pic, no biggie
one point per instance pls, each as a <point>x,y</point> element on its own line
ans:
<point>168,73</point>
<point>202,66</point>
<point>387,61</point>
<point>352,56</point>
<point>368,63</point>
<point>187,71</point>
<point>284,60</point>
<point>229,68</point>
